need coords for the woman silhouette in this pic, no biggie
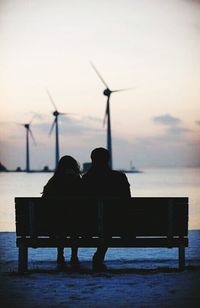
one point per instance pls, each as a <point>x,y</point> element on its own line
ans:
<point>66,181</point>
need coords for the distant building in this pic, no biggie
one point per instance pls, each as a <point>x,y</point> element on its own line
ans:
<point>86,167</point>
<point>18,169</point>
<point>46,169</point>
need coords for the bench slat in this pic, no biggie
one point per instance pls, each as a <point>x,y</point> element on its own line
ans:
<point>138,216</point>
<point>114,242</point>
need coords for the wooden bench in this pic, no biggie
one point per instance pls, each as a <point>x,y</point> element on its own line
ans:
<point>90,222</point>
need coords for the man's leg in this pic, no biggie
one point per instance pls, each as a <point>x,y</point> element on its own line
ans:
<point>98,259</point>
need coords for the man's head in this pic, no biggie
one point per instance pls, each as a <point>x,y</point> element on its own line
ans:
<point>100,157</point>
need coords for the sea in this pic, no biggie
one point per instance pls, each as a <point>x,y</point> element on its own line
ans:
<point>163,182</point>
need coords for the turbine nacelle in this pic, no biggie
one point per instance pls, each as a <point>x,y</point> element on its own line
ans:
<point>56,113</point>
<point>107,92</point>
<point>28,129</point>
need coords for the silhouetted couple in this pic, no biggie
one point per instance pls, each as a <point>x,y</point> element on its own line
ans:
<point>99,181</point>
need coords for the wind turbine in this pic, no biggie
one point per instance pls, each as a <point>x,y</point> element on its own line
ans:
<point>107,92</point>
<point>28,132</point>
<point>56,114</point>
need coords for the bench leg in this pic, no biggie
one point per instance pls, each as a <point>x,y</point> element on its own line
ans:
<point>23,258</point>
<point>181,256</point>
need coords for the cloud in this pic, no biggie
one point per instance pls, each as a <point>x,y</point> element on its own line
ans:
<point>94,119</point>
<point>73,126</point>
<point>173,127</point>
<point>195,1</point>
<point>166,119</point>
<point>176,130</point>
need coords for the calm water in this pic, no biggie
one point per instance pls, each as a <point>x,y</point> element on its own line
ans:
<point>150,183</point>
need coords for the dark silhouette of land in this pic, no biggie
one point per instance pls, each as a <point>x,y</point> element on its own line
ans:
<point>2,167</point>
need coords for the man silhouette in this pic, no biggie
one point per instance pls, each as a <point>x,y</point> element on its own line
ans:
<point>101,181</point>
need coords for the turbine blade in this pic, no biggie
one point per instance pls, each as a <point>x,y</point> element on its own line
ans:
<point>19,124</point>
<point>105,115</point>
<point>101,78</point>
<point>52,126</point>
<point>120,90</point>
<point>31,134</point>
<point>66,113</point>
<point>33,117</point>
<point>51,99</point>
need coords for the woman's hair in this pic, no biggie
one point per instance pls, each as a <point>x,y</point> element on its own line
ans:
<point>67,162</point>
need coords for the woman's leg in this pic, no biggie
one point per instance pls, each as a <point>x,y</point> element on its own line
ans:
<point>74,256</point>
<point>60,255</point>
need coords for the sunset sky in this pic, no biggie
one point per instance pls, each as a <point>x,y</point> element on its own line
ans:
<point>150,45</point>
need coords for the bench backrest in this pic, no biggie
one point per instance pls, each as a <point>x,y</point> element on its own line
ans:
<point>96,217</point>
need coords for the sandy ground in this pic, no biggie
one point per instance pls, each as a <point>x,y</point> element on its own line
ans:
<point>135,278</point>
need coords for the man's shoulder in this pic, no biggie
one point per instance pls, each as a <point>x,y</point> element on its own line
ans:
<point>110,174</point>
<point>118,173</point>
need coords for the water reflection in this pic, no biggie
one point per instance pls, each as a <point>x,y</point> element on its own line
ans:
<point>153,182</point>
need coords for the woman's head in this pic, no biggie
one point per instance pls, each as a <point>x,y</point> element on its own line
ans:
<point>67,164</point>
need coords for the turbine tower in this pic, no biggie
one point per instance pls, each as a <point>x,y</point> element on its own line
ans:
<point>56,114</point>
<point>107,92</point>
<point>28,132</point>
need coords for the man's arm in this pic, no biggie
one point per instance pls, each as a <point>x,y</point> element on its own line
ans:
<point>124,186</point>
<point>127,190</point>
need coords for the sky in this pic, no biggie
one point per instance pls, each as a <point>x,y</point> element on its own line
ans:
<point>150,46</point>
